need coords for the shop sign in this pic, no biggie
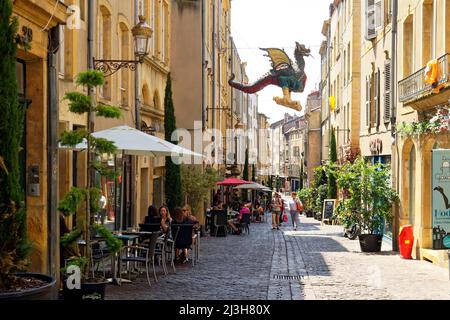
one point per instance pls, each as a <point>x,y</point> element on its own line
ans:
<point>440,198</point>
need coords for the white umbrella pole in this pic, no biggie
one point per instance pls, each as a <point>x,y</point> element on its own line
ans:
<point>122,193</point>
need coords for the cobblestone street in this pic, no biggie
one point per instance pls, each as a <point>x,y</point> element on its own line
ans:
<point>316,262</point>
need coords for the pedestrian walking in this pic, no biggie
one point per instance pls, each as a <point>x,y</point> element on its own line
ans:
<point>276,211</point>
<point>295,208</point>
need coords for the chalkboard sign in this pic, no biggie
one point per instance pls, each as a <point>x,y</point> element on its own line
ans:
<point>328,209</point>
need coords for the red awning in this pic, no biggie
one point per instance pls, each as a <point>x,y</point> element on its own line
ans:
<point>232,182</point>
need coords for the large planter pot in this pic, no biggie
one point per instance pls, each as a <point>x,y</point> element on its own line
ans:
<point>46,292</point>
<point>370,242</point>
<point>88,291</point>
<point>309,214</point>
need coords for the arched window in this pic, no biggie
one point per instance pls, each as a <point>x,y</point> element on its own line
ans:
<point>156,101</point>
<point>146,96</point>
<point>104,46</point>
<point>124,82</point>
<point>408,46</point>
<point>427,31</point>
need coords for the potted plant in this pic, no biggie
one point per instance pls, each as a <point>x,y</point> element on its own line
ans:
<point>306,196</point>
<point>14,246</point>
<point>197,184</point>
<point>86,201</point>
<point>368,200</point>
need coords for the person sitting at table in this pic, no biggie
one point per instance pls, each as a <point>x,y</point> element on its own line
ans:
<point>235,223</point>
<point>181,249</point>
<point>190,217</point>
<point>166,219</point>
<point>153,216</point>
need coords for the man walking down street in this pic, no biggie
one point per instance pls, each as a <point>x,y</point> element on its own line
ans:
<point>295,208</point>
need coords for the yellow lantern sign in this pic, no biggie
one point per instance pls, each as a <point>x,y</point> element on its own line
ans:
<point>332,103</point>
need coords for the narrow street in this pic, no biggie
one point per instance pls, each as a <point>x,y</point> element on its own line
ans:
<point>316,262</point>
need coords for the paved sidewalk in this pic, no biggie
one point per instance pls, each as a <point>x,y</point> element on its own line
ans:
<point>316,262</point>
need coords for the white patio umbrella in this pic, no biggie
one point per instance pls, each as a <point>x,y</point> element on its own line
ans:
<point>130,141</point>
<point>250,186</point>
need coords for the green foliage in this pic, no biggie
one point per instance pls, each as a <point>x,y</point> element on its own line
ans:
<point>95,195</point>
<point>69,238</point>
<point>197,184</point>
<point>72,201</point>
<point>72,138</point>
<point>104,171</point>
<point>109,112</point>
<point>306,196</point>
<point>270,183</point>
<point>277,182</point>
<point>80,262</point>
<point>332,185</point>
<point>103,146</point>
<point>114,244</point>
<point>91,78</point>
<point>14,247</point>
<point>439,123</point>
<point>79,103</point>
<point>368,195</point>
<point>173,171</point>
<point>253,173</point>
<point>322,195</point>
<point>302,173</point>
<point>319,189</point>
<point>245,174</point>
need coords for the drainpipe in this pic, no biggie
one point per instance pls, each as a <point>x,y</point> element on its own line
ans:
<point>213,109</point>
<point>52,141</point>
<point>203,66</point>
<point>136,76</point>
<point>395,151</point>
<point>329,83</point>
<point>90,63</point>
<point>232,90</point>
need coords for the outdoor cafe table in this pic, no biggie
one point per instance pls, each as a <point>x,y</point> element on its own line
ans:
<point>126,239</point>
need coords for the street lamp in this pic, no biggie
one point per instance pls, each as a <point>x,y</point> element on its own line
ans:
<point>142,33</point>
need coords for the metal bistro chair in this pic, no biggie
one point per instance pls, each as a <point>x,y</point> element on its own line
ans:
<point>220,221</point>
<point>245,223</point>
<point>142,253</point>
<point>185,239</point>
<point>165,250</point>
<point>100,253</point>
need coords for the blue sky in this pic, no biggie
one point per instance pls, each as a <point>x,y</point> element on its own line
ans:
<point>278,23</point>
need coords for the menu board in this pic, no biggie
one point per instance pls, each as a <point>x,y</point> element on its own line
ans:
<point>328,209</point>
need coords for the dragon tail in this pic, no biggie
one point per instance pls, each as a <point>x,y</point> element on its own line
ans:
<point>255,87</point>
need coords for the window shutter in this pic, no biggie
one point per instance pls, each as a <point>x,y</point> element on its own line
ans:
<point>387,91</point>
<point>379,14</point>
<point>377,99</point>
<point>370,19</point>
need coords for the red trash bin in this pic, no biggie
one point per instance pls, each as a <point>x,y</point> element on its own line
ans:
<point>406,241</point>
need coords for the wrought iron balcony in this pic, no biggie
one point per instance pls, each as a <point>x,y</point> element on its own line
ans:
<point>414,88</point>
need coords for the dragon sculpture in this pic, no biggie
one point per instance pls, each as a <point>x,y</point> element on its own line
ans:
<point>283,74</point>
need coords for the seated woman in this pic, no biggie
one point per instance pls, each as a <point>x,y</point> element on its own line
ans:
<point>184,238</point>
<point>190,217</point>
<point>153,216</point>
<point>236,222</point>
<point>166,220</point>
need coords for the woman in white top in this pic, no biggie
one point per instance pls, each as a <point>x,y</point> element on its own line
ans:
<point>295,206</point>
